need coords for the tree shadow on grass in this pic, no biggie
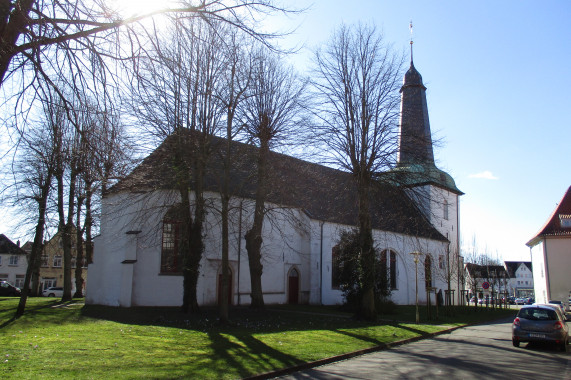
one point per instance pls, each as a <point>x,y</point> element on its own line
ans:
<point>251,351</point>
<point>29,311</point>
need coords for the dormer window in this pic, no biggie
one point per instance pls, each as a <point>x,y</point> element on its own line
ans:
<point>565,220</point>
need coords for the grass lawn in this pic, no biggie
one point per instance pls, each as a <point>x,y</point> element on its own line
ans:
<point>70,340</point>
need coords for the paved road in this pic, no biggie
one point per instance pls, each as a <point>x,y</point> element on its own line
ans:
<point>477,352</point>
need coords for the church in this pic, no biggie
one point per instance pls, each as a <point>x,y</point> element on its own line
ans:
<point>415,227</point>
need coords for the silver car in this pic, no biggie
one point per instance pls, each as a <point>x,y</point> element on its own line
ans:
<point>540,323</point>
<point>56,291</point>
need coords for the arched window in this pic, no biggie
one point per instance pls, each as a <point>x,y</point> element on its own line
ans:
<point>171,260</point>
<point>388,266</point>
<point>393,269</point>
<point>428,272</point>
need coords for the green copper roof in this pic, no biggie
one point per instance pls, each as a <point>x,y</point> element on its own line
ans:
<point>412,175</point>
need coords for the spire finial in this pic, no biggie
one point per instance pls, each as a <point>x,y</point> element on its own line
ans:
<point>411,42</point>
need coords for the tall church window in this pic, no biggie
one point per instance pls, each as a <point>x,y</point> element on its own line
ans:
<point>428,272</point>
<point>393,269</point>
<point>171,260</point>
<point>388,267</point>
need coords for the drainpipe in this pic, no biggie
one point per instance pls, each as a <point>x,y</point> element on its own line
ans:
<point>239,248</point>
<point>321,264</point>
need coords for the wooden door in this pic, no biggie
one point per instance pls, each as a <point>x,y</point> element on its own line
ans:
<point>293,287</point>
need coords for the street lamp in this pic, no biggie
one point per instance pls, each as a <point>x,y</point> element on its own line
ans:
<point>416,258</point>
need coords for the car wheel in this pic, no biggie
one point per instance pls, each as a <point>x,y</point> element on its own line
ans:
<point>51,295</point>
<point>515,343</point>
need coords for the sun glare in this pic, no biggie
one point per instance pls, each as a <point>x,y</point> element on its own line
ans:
<point>129,8</point>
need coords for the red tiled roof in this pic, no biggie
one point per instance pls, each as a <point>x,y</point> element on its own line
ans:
<point>553,225</point>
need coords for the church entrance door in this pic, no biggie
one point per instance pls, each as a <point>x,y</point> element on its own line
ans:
<point>293,286</point>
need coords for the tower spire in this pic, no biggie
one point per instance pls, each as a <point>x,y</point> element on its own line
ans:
<point>411,42</point>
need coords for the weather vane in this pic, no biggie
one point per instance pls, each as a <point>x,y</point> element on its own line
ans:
<point>410,27</point>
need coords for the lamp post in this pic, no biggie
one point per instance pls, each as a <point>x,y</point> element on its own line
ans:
<point>416,258</point>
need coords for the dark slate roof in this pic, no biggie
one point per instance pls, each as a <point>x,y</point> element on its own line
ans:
<point>486,271</point>
<point>416,165</point>
<point>412,175</point>
<point>553,226</point>
<point>415,144</point>
<point>324,193</point>
<point>8,247</point>
<point>511,266</point>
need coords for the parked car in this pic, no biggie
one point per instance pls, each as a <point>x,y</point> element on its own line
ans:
<point>540,323</point>
<point>520,301</point>
<point>7,289</point>
<point>530,301</point>
<point>559,304</point>
<point>511,300</point>
<point>56,291</point>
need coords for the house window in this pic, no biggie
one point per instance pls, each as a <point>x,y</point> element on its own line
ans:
<point>13,261</point>
<point>0,260</point>
<point>335,268</point>
<point>57,262</point>
<point>19,281</point>
<point>171,261</point>
<point>441,262</point>
<point>445,210</point>
<point>45,261</point>
<point>73,261</point>
<point>48,283</point>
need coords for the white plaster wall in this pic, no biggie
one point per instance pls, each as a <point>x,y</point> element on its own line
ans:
<point>403,246</point>
<point>291,240</point>
<point>539,273</point>
<point>559,266</point>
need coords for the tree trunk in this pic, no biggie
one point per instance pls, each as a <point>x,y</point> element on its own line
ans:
<point>88,223</point>
<point>225,200</point>
<point>79,249</point>
<point>254,235</point>
<point>367,308</point>
<point>66,237</point>
<point>37,246</point>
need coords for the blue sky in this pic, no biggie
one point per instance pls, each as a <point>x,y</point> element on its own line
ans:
<point>498,83</point>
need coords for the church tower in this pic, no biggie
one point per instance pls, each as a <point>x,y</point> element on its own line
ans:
<point>433,190</point>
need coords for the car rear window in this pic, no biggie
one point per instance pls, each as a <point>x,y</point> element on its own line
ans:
<point>537,314</point>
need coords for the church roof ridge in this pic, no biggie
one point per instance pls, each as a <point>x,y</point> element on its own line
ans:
<point>326,193</point>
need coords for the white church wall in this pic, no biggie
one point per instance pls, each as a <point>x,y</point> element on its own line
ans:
<point>291,240</point>
<point>539,273</point>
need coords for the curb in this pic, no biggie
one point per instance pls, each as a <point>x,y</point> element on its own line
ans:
<point>349,355</point>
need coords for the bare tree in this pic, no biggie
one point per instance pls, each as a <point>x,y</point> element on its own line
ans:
<point>175,97</point>
<point>232,91</point>
<point>356,79</point>
<point>30,28</point>
<point>270,115</point>
<point>36,171</point>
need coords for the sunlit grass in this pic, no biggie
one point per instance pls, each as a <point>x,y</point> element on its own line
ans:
<point>54,340</point>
